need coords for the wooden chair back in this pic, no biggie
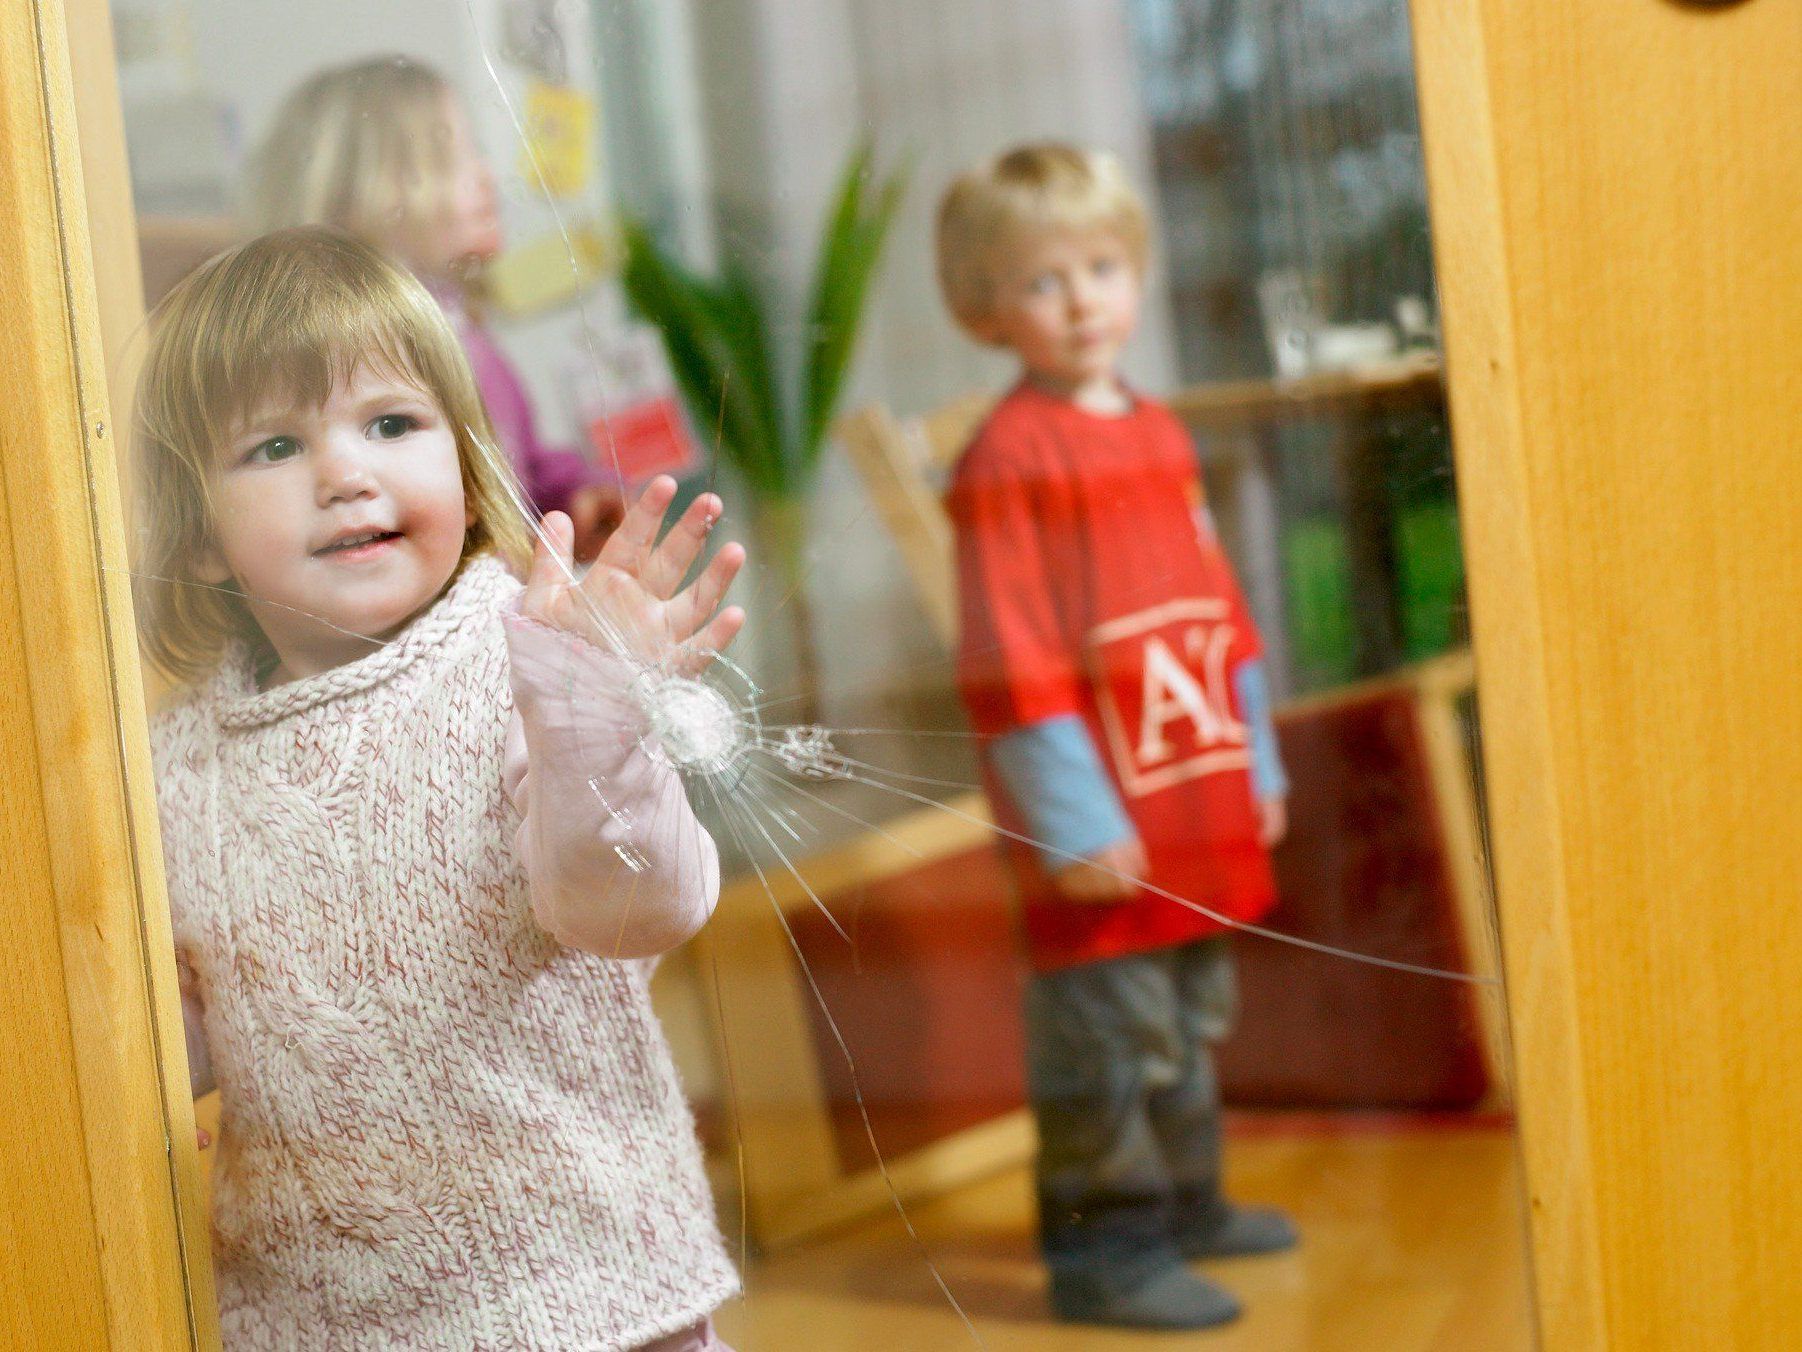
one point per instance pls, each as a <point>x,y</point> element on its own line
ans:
<point>904,463</point>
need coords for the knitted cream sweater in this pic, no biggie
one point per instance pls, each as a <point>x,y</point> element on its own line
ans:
<point>443,1126</point>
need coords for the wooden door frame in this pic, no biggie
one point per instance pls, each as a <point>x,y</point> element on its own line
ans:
<point>1614,188</point>
<point>100,1187</point>
<point>1610,185</point>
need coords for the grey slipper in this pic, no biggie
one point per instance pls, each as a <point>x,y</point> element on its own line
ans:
<point>1171,1298</point>
<point>1244,1231</point>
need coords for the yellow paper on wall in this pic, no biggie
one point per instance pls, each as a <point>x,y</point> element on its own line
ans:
<point>550,270</point>
<point>559,131</point>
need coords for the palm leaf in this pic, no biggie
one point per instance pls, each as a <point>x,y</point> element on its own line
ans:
<point>717,334</point>
<point>713,335</point>
<point>850,248</point>
<point>743,326</point>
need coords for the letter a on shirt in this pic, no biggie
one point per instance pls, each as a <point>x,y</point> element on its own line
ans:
<point>1164,694</point>
<point>1170,692</point>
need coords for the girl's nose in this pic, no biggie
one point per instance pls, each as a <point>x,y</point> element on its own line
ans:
<point>343,472</point>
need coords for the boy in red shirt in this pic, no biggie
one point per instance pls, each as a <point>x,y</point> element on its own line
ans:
<point>1109,665</point>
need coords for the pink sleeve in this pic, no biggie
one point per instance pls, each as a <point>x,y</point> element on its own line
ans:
<point>618,863</point>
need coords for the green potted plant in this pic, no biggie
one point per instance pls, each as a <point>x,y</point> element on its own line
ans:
<point>718,334</point>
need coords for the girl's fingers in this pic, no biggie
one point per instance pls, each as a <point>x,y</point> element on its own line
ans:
<point>629,546</point>
<point>718,635</point>
<point>691,607</point>
<point>695,654</point>
<point>550,559</point>
<point>669,562</point>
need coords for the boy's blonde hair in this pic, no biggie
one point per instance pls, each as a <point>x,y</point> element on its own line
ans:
<point>279,322</point>
<point>1030,189</point>
<point>364,147</point>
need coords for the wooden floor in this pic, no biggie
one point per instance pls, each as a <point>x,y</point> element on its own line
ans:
<point>1412,1240</point>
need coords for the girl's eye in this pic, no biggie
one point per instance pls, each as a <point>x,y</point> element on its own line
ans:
<point>392,426</point>
<point>1105,266</point>
<point>273,451</point>
<point>1042,284</point>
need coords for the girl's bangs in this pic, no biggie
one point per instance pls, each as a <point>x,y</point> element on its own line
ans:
<point>276,343</point>
<point>294,358</point>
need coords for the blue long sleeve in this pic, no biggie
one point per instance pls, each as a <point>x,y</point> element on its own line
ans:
<point>1253,685</point>
<point>1054,775</point>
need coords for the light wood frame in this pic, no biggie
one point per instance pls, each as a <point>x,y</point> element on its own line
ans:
<point>100,1189</point>
<point>1614,189</point>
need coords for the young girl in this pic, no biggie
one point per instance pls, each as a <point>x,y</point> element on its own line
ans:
<point>414,840</point>
<point>382,148</point>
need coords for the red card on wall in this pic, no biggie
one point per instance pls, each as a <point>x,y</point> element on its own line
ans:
<point>643,440</point>
<point>626,398</point>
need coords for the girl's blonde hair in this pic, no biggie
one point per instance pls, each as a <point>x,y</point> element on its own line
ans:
<point>280,321</point>
<point>1031,189</point>
<point>365,147</point>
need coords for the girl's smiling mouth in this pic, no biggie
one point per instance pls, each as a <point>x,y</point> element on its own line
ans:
<point>356,545</point>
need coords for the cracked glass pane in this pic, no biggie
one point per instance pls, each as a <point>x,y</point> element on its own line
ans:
<point>815,674</point>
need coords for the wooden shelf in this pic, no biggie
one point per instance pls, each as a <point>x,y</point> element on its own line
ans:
<point>1235,405</point>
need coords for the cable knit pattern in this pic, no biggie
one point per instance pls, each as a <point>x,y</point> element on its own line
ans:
<point>441,1127</point>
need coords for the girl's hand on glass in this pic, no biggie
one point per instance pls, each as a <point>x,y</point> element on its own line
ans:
<point>631,602</point>
<point>1109,875</point>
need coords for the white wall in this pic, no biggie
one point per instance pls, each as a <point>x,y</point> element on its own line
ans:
<point>253,52</point>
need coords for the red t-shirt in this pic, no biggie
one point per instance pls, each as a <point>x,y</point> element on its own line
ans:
<point>1089,584</point>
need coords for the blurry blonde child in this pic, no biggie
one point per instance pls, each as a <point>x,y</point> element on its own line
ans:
<point>1107,660</point>
<point>415,847</point>
<point>382,148</point>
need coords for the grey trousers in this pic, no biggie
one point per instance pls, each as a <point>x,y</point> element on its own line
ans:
<point>1128,1105</point>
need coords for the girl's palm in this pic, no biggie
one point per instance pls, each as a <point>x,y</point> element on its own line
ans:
<point>631,602</point>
